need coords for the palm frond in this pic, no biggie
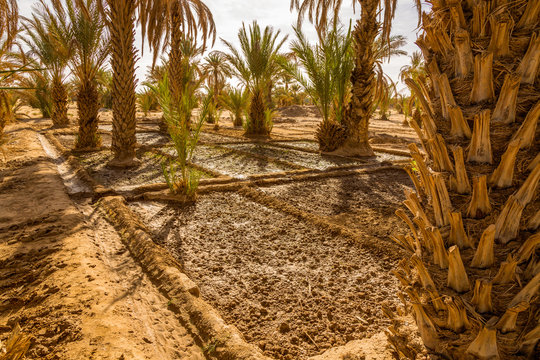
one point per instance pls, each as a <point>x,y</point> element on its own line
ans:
<point>159,18</point>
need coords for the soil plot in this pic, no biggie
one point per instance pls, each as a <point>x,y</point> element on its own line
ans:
<point>302,158</point>
<point>143,138</point>
<point>68,140</point>
<point>148,172</point>
<point>364,202</point>
<point>234,164</point>
<point>291,288</point>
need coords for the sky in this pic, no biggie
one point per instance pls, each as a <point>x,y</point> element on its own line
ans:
<point>229,15</point>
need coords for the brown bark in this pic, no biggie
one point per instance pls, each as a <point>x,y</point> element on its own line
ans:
<point>483,78</point>
<point>176,68</point>
<point>363,84</point>
<point>88,106</point>
<point>505,111</point>
<point>503,147</point>
<point>123,57</point>
<point>59,103</point>
<point>464,57</point>
<point>256,115</point>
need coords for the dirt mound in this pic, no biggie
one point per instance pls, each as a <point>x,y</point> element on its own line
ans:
<point>298,111</point>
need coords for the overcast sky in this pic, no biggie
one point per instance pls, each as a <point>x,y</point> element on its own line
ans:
<point>230,14</point>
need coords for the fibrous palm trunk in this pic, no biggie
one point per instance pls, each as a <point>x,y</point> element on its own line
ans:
<point>3,111</point>
<point>476,212</point>
<point>363,82</point>
<point>59,103</point>
<point>256,124</point>
<point>238,119</point>
<point>122,32</point>
<point>176,61</point>
<point>88,106</point>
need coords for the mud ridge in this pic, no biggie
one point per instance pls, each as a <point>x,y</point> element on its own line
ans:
<point>225,340</point>
<point>162,194</point>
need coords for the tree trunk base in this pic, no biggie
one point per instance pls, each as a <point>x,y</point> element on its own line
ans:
<point>257,136</point>
<point>354,150</point>
<point>123,161</point>
<point>60,126</point>
<point>87,149</point>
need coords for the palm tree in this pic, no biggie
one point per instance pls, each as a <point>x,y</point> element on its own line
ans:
<point>363,79</point>
<point>104,82</point>
<point>147,100</point>
<point>236,101</point>
<point>384,49</point>
<point>168,24</point>
<point>81,29</point>
<point>9,16</point>
<point>384,94</point>
<point>120,20</point>
<point>476,208</point>
<point>36,90</point>
<point>416,72</point>
<point>52,55</point>
<point>328,67</point>
<point>8,30</point>
<point>217,70</point>
<point>256,65</point>
<point>415,69</point>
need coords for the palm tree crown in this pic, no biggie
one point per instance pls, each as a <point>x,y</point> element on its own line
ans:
<point>8,22</point>
<point>217,70</point>
<point>191,17</point>
<point>256,62</point>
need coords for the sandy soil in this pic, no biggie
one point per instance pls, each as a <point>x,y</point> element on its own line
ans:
<point>65,276</point>
<point>294,123</point>
<point>290,288</point>
<point>365,202</point>
<point>293,289</point>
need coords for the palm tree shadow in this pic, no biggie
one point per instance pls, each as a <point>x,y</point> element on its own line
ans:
<point>130,291</point>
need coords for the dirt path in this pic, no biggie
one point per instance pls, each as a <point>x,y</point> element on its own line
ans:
<point>65,275</point>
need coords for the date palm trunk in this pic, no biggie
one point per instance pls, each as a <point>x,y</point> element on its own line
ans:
<point>237,122</point>
<point>176,61</point>
<point>88,106</point>
<point>122,33</point>
<point>256,114</point>
<point>363,81</point>
<point>475,215</point>
<point>59,103</point>
<point>4,111</point>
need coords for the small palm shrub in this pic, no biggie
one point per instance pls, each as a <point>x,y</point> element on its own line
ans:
<point>148,101</point>
<point>210,107</point>
<point>236,102</point>
<point>326,73</point>
<point>180,178</point>
<point>330,135</point>
<point>256,65</point>
<point>104,81</point>
<point>36,92</point>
